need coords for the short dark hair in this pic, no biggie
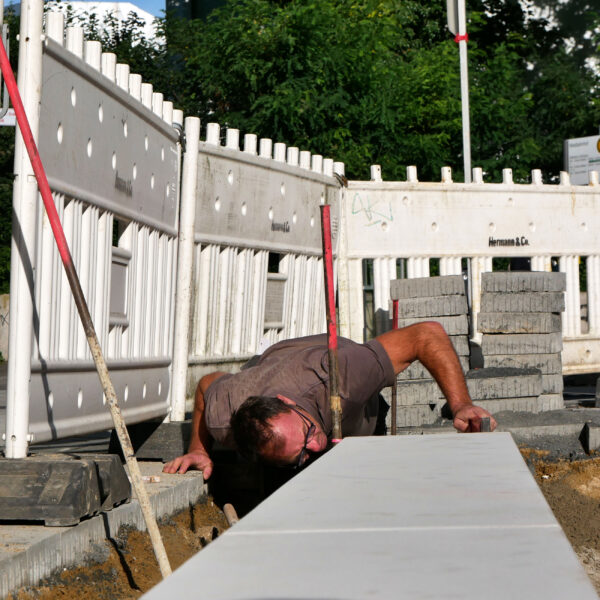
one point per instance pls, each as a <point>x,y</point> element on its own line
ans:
<point>250,423</point>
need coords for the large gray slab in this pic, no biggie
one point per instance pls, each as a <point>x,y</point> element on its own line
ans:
<point>446,516</point>
<point>523,282</point>
<point>546,363</point>
<point>432,307</point>
<point>521,343</point>
<point>522,302</point>
<point>421,287</point>
<point>503,322</point>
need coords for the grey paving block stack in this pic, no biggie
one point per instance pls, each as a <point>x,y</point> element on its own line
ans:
<point>440,299</point>
<point>520,320</point>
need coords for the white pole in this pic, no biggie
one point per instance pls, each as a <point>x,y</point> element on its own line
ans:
<point>25,198</point>
<point>185,260</point>
<point>464,88</point>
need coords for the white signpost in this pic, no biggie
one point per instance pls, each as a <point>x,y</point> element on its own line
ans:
<point>582,156</point>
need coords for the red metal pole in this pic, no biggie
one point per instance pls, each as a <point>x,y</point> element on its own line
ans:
<point>84,313</point>
<point>394,428</point>
<point>332,341</point>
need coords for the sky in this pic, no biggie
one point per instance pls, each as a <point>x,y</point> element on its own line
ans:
<point>154,7</point>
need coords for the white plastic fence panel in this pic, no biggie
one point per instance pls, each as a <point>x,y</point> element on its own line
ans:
<point>258,272</point>
<point>384,221</point>
<point>112,165</point>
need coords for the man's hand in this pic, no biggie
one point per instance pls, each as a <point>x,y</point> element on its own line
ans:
<point>192,460</point>
<point>468,418</point>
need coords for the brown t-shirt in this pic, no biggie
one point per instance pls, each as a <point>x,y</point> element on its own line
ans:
<point>299,369</point>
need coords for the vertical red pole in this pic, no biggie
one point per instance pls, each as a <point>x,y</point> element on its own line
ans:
<point>332,341</point>
<point>394,428</point>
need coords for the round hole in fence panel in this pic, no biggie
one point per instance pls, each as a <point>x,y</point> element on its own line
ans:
<point>312,221</point>
<point>51,400</point>
<point>144,390</point>
<point>73,96</point>
<point>584,226</point>
<point>126,393</point>
<point>124,128</point>
<point>230,178</point>
<point>405,201</point>
<point>510,201</point>
<point>492,227</point>
<point>146,143</point>
<point>244,209</point>
<point>152,181</point>
<point>80,399</point>
<point>384,226</point>
<point>434,226</point>
<point>294,218</point>
<point>134,171</point>
<point>217,204</point>
<point>532,226</point>
<point>283,189</point>
<point>59,133</point>
<point>114,161</point>
<point>159,390</point>
<point>100,113</point>
<point>271,214</point>
<point>89,147</point>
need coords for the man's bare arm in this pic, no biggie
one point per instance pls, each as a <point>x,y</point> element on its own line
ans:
<point>429,343</point>
<point>197,456</point>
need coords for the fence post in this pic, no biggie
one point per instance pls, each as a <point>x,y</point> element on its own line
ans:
<point>185,260</point>
<point>25,200</point>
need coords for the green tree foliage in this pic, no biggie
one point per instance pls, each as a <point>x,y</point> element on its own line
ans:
<point>378,81</point>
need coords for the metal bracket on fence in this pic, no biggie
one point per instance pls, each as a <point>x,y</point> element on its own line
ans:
<point>181,132</point>
<point>5,97</point>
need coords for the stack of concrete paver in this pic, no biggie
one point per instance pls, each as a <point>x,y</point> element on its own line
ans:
<point>521,325</point>
<point>440,299</point>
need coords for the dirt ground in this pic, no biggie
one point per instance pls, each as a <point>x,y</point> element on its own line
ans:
<point>572,489</point>
<point>126,568</point>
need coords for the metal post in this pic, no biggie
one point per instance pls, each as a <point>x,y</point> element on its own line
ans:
<point>185,260</point>
<point>22,256</point>
<point>464,88</point>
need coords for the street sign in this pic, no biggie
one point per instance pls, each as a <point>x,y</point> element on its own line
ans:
<point>582,155</point>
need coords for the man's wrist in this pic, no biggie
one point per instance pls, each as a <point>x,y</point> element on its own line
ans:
<point>458,406</point>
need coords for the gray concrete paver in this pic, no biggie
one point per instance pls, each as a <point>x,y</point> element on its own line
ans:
<point>445,516</point>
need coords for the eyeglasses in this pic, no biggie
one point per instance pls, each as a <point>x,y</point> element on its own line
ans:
<point>309,433</point>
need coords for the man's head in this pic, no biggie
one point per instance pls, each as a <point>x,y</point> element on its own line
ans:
<point>276,430</point>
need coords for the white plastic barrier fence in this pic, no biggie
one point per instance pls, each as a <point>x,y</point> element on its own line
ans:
<point>385,222</point>
<point>257,271</point>
<point>112,159</point>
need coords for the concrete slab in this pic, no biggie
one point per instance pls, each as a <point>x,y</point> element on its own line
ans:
<point>447,516</point>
